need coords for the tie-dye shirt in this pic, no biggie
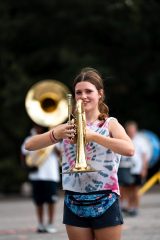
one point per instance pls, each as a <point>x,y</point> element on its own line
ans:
<point>98,157</point>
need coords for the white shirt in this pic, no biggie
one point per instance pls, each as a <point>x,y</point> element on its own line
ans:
<point>137,159</point>
<point>49,170</point>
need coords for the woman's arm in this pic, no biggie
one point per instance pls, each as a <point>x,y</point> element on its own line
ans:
<point>38,141</point>
<point>51,137</point>
<point>119,141</point>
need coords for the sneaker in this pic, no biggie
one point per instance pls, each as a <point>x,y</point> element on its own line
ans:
<point>50,228</point>
<point>132,213</point>
<point>124,210</point>
<point>41,228</point>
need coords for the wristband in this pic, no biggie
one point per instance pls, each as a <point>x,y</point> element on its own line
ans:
<point>52,137</point>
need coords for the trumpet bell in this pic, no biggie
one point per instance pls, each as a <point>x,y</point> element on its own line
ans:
<point>86,169</point>
<point>46,103</point>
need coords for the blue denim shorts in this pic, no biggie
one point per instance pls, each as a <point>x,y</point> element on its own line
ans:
<point>112,216</point>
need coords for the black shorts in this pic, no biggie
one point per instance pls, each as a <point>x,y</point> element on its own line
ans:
<point>138,181</point>
<point>125,178</point>
<point>111,217</point>
<point>44,191</point>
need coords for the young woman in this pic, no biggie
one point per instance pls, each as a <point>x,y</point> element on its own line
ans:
<point>91,203</point>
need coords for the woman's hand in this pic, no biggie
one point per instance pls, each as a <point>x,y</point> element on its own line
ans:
<point>65,131</point>
<point>89,135</point>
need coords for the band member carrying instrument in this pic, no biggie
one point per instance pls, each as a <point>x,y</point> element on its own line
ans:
<point>45,104</point>
<point>44,181</point>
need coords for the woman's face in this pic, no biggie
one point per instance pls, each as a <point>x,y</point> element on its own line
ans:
<point>89,94</point>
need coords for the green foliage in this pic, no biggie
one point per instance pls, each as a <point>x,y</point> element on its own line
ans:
<point>44,39</point>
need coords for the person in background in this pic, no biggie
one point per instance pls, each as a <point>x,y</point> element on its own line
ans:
<point>125,180</point>
<point>44,180</point>
<point>138,171</point>
<point>91,201</point>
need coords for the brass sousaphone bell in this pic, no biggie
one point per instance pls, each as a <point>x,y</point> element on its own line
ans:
<point>47,106</point>
<point>46,103</point>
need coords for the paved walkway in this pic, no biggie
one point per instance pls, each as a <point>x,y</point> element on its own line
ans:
<point>18,221</point>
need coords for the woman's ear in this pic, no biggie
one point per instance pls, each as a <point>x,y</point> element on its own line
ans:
<point>101,93</point>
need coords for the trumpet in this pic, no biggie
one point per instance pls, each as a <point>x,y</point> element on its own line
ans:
<point>81,164</point>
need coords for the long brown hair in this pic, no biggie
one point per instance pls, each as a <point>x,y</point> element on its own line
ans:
<point>93,76</point>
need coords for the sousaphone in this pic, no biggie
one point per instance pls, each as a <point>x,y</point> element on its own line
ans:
<point>46,104</point>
